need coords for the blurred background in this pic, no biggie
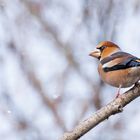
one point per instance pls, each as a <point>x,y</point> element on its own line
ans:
<point>48,83</point>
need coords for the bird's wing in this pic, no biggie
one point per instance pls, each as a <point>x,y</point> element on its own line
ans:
<point>119,60</point>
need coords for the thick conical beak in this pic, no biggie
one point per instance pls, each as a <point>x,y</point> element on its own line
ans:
<point>95,54</point>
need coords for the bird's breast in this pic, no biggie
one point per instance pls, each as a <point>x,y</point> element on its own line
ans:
<point>125,77</point>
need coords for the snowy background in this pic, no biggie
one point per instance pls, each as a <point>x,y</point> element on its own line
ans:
<point>48,83</point>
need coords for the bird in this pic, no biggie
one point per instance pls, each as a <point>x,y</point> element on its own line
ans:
<point>116,67</point>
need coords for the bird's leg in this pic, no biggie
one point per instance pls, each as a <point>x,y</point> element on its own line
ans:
<point>118,93</point>
<point>136,84</point>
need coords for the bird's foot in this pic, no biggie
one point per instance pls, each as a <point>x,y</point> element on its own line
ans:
<point>137,83</point>
<point>117,95</point>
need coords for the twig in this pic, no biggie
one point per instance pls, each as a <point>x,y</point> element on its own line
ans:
<point>105,112</point>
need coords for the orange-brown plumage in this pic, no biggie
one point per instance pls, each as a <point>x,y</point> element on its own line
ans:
<point>110,48</point>
<point>117,68</point>
<point>123,78</point>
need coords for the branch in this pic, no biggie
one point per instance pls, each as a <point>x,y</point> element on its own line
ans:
<point>114,107</point>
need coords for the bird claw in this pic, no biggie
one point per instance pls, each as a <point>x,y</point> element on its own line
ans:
<point>136,84</point>
<point>117,95</point>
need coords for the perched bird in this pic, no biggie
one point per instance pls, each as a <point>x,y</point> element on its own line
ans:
<point>117,68</point>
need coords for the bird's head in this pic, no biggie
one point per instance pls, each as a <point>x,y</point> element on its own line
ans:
<point>104,49</point>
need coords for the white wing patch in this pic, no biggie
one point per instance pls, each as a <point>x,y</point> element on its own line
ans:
<point>108,64</point>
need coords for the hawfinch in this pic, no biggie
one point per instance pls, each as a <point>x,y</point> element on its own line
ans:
<point>117,68</point>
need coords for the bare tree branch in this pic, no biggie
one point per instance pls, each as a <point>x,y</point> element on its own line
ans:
<point>35,82</point>
<point>114,107</point>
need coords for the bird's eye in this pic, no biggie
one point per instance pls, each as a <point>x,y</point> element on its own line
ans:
<point>102,48</point>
